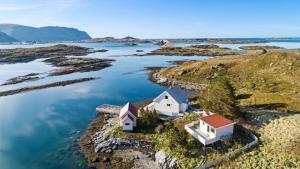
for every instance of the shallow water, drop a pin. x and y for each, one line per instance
(38, 129)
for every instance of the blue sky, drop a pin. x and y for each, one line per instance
(160, 18)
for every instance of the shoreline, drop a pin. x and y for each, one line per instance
(120, 157)
(45, 86)
(101, 151)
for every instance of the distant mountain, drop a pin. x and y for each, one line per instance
(4, 38)
(43, 34)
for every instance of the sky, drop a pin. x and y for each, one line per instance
(160, 18)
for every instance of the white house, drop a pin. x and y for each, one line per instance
(128, 116)
(171, 102)
(211, 128)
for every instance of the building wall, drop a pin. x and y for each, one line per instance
(127, 127)
(183, 107)
(161, 105)
(203, 128)
(134, 123)
(225, 131)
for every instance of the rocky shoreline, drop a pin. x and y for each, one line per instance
(104, 151)
(265, 47)
(50, 85)
(194, 50)
(156, 77)
(56, 57)
(24, 55)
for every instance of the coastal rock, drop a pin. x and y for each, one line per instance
(101, 50)
(130, 44)
(24, 55)
(165, 44)
(193, 50)
(219, 65)
(165, 161)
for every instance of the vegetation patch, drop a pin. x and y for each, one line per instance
(172, 138)
(280, 146)
(194, 50)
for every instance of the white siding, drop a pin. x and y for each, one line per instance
(203, 128)
(183, 107)
(127, 127)
(224, 131)
(165, 106)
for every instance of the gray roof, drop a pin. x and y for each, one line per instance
(178, 94)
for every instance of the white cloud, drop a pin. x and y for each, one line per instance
(19, 7)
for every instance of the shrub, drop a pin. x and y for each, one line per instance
(148, 120)
(159, 128)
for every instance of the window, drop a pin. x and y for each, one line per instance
(168, 105)
(127, 124)
(207, 128)
(166, 97)
(212, 130)
(203, 123)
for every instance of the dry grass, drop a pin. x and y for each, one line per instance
(269, 78)
(259, 80)
(280, 146)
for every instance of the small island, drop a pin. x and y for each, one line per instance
(264, 47)
(194, 50)
(56, 56)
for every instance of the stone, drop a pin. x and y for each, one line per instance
(165, 43)
(165, 161)
(95, 159)
(106, 159)
(114, 147)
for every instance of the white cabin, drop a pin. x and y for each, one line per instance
(171, 102)
(211, 128)
(128, 116)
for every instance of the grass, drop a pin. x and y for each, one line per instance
(258, 80)
(280, 146)
(174, 140)
(268, 78)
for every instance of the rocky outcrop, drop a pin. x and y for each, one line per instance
(100, 148)
(235, 41)
(50, 85)
(124, 40)
(156, 77)
(194, 50)
(20, 79)
(165, 161)
(260, 47)
(71, 65)
(165, 44)
(23, 55)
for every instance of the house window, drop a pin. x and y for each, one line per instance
(203, 123)
(207, 128)
(168, 105)
(212, 130)
(127, 124)
(166, 97)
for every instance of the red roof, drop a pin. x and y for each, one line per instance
(216, 120)
(132, 109)
(126, 115)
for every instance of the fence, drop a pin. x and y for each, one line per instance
(231, 155)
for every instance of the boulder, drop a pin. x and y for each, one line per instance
(165, 43)
(165, 161)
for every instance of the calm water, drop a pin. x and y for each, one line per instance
(38, 129)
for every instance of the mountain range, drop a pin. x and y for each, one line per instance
(13, 33)
(4, 38)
